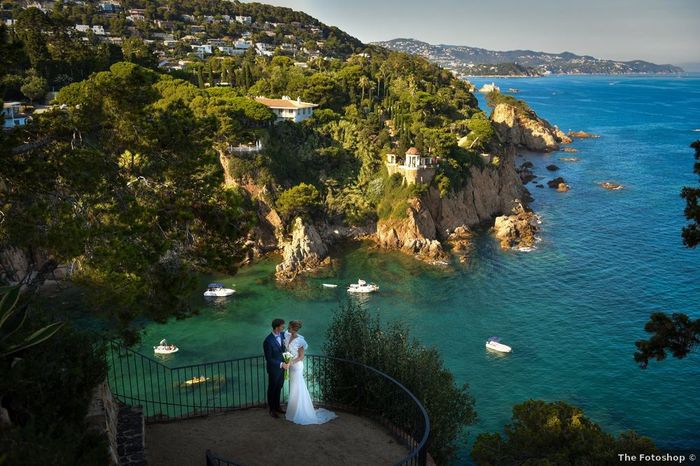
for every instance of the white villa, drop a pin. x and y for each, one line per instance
(12, 115)
(415, 168)
(288, 109)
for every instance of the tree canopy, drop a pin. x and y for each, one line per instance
(554, 434)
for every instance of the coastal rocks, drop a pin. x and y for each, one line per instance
(517, 230)
(611, 186)
(562, 188)
(305, 252)
(583, 135)
(552, 168)
(556, 182)
(525, 129)
(416, 234)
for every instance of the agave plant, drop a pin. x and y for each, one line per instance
(12, 319)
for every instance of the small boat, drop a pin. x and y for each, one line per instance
(513, 90)
(217, 289)
(197, 380)
(362, 287)
(164, 348)
(329, 285)
(494, 344)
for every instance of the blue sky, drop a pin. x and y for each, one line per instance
(661, 31)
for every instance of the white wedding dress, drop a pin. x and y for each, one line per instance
(300, 408)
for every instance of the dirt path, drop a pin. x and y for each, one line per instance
(253, 438)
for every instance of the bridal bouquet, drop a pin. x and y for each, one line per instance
(287, 357)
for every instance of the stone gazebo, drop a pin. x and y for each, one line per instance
(415, 168)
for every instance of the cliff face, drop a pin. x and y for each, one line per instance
(525, 129)
(490, 192)
(416, 234)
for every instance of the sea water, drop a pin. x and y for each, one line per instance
(571, 309)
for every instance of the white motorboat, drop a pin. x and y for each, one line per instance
(164, 348)
(217, 289)
(362, 287)
(329, 285)
(494, 344)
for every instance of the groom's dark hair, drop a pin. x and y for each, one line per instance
(277, 322)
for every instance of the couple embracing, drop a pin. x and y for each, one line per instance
(300, 408)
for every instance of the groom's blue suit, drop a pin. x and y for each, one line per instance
(275, 374)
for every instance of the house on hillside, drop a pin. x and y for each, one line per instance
(288, 109)
(415, 168)
(244, 19)
(12, 115)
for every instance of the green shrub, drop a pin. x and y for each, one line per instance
(302, 199)
(357, 336)
(554, 433)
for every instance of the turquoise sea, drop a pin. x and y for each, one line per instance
(571, 309)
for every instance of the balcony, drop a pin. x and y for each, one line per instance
(216, 412)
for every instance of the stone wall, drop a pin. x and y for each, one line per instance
(123, 425)
(102, 417)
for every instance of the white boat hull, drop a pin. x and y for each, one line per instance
(363, 289)
(500, 347)
(162, 350)
(329, 285)
(220, 292)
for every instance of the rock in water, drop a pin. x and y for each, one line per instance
(555, 182)
(552, 168)
(517, 230)
(305, 252)
(582, 135)
(610, 186)
(562, 187)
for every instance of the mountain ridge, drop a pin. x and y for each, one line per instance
(477, 61)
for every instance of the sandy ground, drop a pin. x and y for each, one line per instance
(253, 438)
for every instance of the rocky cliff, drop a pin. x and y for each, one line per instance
(525, 129)
(416, 234)
(305, 251)
(434, 220)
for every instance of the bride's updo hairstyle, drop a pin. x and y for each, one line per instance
(295, 325)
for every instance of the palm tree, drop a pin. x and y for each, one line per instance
(364, 83)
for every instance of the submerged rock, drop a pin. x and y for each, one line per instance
(552, 168)
(610, 185)
(569, 149)
(569, 159)
(583, 135)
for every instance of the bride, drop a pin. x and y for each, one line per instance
(300, 408)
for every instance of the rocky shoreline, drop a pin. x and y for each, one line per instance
(434, 227)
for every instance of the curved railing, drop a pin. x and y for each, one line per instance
(196, 390)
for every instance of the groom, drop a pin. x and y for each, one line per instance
(274, 347)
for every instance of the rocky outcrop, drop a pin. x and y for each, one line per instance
(304, 252)
(517, 230)
(583, 135)
(416, 234)
(611, 186)
(525, 129)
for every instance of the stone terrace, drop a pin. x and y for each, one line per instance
(253, 438)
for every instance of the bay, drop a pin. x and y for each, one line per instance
(571, 309)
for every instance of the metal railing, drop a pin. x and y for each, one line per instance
(200, 389)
